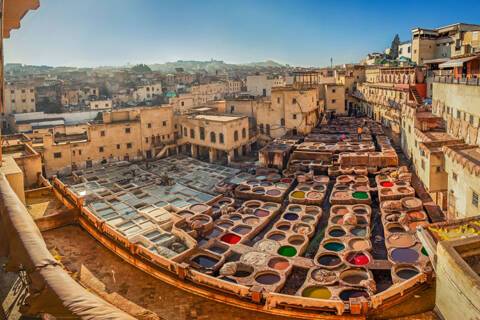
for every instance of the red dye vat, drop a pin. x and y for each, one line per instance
(359, 259)
(230, 238)
(386, 184)
(286, 180)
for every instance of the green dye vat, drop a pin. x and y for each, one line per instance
(360, 195)
(317, 293)
(334, 246)
(287, 251)
(424, 252)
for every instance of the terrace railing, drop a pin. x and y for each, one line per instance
(471, 81)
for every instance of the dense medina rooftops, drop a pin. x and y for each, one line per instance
(336, 231)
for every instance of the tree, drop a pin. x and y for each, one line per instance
(141, 68)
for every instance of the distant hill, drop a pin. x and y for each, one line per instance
(210, 66)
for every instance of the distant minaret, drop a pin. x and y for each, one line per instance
(331, 63)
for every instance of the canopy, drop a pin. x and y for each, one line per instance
(456, 62)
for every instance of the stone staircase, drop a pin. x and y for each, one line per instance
(416, 96)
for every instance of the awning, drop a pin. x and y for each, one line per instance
(457, 62)
(434, 61)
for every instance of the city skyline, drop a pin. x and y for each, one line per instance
(90, 34)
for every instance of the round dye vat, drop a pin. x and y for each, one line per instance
(198, 207)
(336, 233)
(278, 263)
(308, 219)
(287, 251)
(269, 206)
(276, 236)
(235, 217)
(260, 178)
(290, 216)
(337, 220)
(282, 185)
(268, 278)
(286, 180)
(402, 255)
(396, 229)
(359, 244)
(298, 194)
(320, 188)
(324, 276)
(266, 184)
(353, 293)
(341, 195)
(360, 210)
(252, 204)
(258, 190)
(304, 188)
(205, 261)
(340, 210)
(294, 208)
(218, 249)
(312, 210)
(386, 184)
(225, 224)
(230, 238)
(329, 260)
(360, 195)
(302, 228)
(358, 259)
(283, 226)
(354, 276)
(242, 229)
(314, 195)
(401, 240)
(274, 192)
(416, 215)
(261, 213)
(334, 246)
(317, 293)
(406, 273)
(296, 240)
(359, 232)
(251, 221)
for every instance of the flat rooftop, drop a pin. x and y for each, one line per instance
(217, 117)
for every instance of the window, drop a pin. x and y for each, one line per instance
(24, 100)
(149, 125)
(294, 101)
(213, 137)
(118, 146)
(100, 149)
(164, 123)
(13, 100)
(23, 90)
(192, 133)
(438, 169)
(268, 129)
(261, 128)
(334, 100)
(282, 122)
(129, 145)
(475, 199)
(127, 130)
(102, 133)
(57, 155)
(202, 133)
(294, 116)
(79, 152)
(454, 176)
(458, 114)
(235, 135)
(146, 140)
(333, 90)
(278, 100)
(423, 164)
(409, 129)
(244, 133)
(32, 100)
(471, 119)
(220, 137)
(185, 132)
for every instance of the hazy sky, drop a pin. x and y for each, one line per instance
(298, 32)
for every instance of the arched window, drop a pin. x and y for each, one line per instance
(185, 132)
(220, 137)
(282, 122)
(235, 135)
(192, 133)
(244, 133)
(213, 137)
